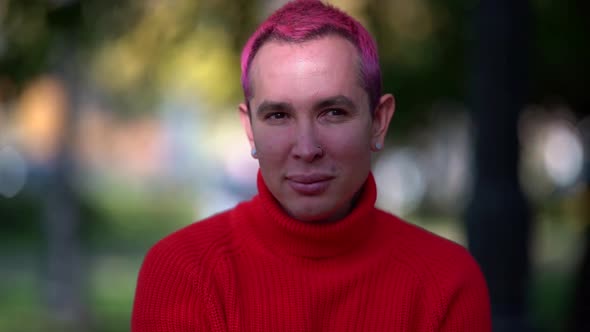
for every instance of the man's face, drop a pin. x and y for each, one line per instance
(311, 125)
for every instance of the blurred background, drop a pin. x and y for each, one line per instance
(118, 125)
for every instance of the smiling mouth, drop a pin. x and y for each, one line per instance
(309, 185)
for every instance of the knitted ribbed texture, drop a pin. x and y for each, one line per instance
(253, 268)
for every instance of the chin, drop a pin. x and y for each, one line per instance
(310, 215)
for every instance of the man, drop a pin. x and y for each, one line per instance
(310, 252)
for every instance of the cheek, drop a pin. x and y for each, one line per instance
(349, 143)
(271, 144)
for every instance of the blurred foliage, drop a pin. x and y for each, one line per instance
(134, 51)
(20, 218)
(138, 51)
(110, 220)
(560, 53)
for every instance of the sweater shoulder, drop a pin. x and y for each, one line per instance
(449, 277)
(429, 255)
(177, 276)
(197, 245)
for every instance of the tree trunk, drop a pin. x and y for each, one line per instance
(64, 289)
(498, 217)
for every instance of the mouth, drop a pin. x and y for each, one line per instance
(309, 184)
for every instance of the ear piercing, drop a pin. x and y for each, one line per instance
(253, 152)
(378, 146)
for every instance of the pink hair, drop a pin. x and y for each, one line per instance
(302, 20)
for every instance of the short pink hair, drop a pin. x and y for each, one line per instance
(302, 20)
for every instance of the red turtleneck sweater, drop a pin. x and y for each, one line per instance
(255, 269)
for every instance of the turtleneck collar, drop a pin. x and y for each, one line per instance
(276, 229)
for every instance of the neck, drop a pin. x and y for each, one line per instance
(318, 239)
(335, 217)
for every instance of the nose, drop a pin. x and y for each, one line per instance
(307, 146)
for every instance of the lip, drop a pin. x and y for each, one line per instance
(309, 184)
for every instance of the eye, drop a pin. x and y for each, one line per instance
(334, 113)
(277, 116)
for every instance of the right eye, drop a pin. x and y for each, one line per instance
(277, 116)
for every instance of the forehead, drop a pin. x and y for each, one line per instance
(323, 63)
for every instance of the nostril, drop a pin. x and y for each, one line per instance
(308, 152)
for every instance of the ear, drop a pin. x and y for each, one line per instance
(246, 123)
(381, 118)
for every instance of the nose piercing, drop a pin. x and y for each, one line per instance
(321, 149)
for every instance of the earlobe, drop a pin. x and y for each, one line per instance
(381, 119)
(246, 123)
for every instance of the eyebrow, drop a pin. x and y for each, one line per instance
(338, 100)
(267, 106)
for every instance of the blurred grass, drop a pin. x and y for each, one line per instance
(117, 228)
(111, 286)
(550, 299)
(20, 307)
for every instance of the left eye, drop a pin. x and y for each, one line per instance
(334, 112)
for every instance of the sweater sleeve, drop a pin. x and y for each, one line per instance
(468, 305)
(169, 295)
